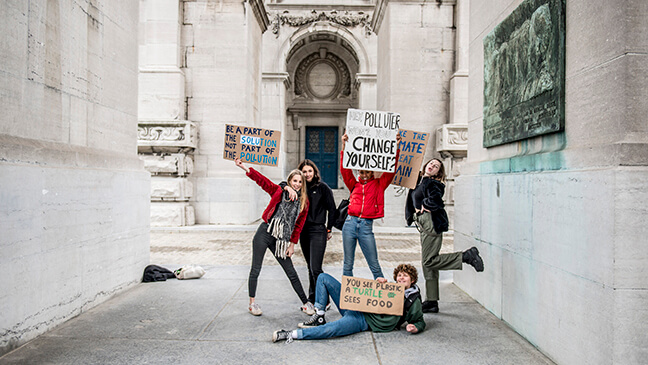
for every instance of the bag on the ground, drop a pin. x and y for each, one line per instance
(341, 214)
(189, 272)
(156, 273)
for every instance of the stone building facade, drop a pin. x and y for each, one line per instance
(296, 67)
(74, 200)
(560, 218)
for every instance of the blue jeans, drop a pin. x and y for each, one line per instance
(360, 230)
(351, 321)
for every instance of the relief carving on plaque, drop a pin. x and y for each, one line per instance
(524, 73)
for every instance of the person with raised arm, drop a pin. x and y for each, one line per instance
(282, 224)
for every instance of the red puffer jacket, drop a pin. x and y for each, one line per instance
(275, 192)
(367, 196)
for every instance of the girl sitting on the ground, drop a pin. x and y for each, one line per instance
(354, 321)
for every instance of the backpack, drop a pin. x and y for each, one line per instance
(157, 273)
(341, 214)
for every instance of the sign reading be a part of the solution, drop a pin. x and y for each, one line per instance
(254, 145)
(372, 141)
(370, 296)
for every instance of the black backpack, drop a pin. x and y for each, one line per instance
(157, 273)
(341, 214)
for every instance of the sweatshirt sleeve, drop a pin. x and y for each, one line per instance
(387, 177)
(330, 207)
(265, 183)
(415, 316)
(347, 175)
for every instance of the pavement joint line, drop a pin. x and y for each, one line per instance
(373, 341)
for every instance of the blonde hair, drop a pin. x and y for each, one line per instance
(303, 194)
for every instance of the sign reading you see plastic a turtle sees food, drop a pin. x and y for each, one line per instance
(370, 296)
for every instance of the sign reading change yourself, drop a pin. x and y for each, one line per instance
(254, 145)
(372, 141)
(370, 296)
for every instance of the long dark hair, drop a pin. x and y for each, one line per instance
(316, 173)
(441, 175)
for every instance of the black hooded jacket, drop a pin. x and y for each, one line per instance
(429, 194)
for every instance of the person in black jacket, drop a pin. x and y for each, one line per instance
(319, 221)
(425, 207)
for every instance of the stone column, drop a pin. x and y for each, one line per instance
(452, 138)
(166, 140)
(415, 65)
(367, 87)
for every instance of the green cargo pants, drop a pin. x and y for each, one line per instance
(431, 261)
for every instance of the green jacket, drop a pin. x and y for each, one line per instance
(386, 322)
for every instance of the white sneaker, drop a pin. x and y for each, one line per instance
(308, 308)
(255, 309)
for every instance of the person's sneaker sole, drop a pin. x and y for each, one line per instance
(476, 260)
(431, 310)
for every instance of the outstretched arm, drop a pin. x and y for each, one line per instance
(265, 183)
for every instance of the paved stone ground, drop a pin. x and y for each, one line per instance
(223, 247)
(206, 321)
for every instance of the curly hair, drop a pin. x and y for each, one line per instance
(407, 269)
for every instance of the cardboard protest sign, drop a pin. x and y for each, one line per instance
(412, 151)
(372, 141)
(371, 296)
(254, 145)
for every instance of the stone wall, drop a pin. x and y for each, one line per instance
(222, 61)
(74, 203)
(559, 219)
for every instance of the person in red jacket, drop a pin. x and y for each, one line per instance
(282, 224)
(366, 203)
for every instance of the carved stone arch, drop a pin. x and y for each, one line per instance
(322, 75)
(350, 42)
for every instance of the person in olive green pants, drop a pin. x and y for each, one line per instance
(432, 220)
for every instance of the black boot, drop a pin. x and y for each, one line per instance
(471, 257)
(430, 306)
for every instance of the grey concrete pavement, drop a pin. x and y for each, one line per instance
(205, 321)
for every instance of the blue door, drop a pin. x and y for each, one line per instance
(322, 148)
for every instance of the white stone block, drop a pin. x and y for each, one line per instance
(166, 136)
(174, 164)
(171, 188)
(165, 214)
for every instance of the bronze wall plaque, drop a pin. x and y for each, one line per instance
(524, 73)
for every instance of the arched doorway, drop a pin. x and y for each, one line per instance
(323, 66)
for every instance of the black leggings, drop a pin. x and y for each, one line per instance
(263, 241)
(313, 245)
